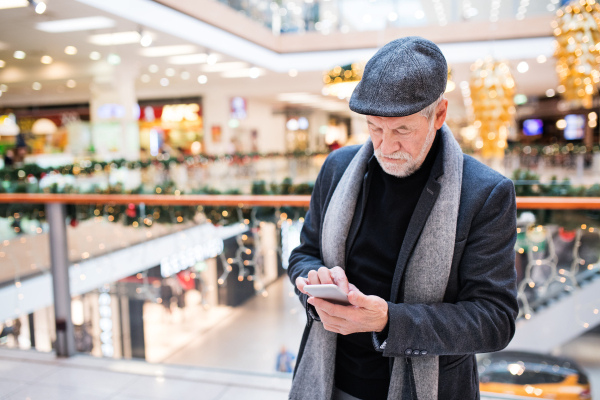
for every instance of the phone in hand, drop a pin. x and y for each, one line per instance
(329, 292)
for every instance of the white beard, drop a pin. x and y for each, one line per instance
(410, 164)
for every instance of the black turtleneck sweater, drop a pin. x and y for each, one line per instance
(390, 202)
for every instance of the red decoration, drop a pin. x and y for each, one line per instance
(130, 212)
(185, 280)
(566, 236)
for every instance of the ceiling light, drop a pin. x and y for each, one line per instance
(153, 68)
(244, 73)
(75, 24)
(550, 93)
(4, 4)
(419, 14)
(146, 39)
(2, 63)
(46, 60)
(145, 78)
(254, 73)
(163, 51)
(293, 73)
(392, 16)
(71, 83)
(36, 86)
(225, 66)
(541, 59)
(202, 79)
(110, 39)
(212, 59)
(94, 55)
(523, 67)
(40, 8)
(71, 50)
(200, 58)
(164, 82)
(170, 72)
(185, 75)
(113, 59)
(3, 88)
(19, 55)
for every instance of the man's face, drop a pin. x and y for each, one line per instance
(402, 143)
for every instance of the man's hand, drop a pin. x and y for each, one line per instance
(335, 275)
(366, 314)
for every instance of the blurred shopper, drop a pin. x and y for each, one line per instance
(16, 331)
(421, 238)
(285, 360)
(9, 158)
(166, 293)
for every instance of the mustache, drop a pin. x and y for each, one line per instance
(398, 155)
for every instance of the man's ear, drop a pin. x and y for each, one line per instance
(440, 114)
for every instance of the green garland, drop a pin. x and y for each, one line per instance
(138, 215)
(528, 184)
(87, 167)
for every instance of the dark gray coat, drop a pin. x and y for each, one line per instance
(479, 309)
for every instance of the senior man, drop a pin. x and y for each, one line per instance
(421, 238)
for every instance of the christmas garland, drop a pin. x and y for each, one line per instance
(549, 150)
(527, 184)
(140, 215)
(87, 167)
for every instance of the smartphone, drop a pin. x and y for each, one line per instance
(328, 292)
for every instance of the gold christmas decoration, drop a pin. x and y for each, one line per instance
(450, 85)
(492, 89)
(341, 81)
(577, 49)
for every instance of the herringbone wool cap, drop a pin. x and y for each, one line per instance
(402, 78)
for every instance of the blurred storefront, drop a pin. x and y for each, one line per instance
(174, 126)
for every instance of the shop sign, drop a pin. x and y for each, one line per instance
(180, 112)
(189, 257)
(238, 108)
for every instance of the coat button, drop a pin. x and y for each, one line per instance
(423, 352)
(408, 352)
(416, 352)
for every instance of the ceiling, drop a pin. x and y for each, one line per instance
(18, 32)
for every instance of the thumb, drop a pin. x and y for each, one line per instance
(357, 298)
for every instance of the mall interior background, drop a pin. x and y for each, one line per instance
(248, 97)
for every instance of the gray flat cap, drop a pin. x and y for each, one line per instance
(403, 77)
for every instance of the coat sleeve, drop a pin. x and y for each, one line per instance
(483, 317)
(307, 256)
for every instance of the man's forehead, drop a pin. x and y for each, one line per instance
(411, 121)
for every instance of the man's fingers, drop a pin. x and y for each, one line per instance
(334, 310)
(300, 283)
(313, 278)
(357, 298)
(340, 278)
(324, 276)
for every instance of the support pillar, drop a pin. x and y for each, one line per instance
(114, 114)
(65, 339)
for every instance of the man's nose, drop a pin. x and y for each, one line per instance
(389, 146)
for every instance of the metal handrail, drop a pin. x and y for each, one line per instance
(526, 203)
(160, 199)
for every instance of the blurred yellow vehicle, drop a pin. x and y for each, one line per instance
(532, 375)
